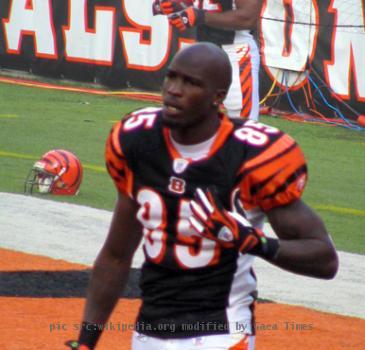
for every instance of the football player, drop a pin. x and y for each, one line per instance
(196, 186)
(229, 24)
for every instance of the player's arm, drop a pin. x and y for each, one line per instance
(273, 179)
(305, 247)
(111, 269)
(245, 16)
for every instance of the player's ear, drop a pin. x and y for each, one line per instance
(220, 95)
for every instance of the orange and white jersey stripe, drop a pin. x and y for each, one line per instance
(116, 162)
(274, 177)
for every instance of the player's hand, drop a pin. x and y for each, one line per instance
(187, 18)
(74, 345)
(156, 8)
(230, 229)
(166, 7)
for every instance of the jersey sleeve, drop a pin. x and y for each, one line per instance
(116, 161)
(275, 176)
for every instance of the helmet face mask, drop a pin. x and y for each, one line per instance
(44, 182)
(58, 172)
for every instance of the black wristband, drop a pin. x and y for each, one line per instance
(266, 249)
(90, 334)
(200, 17)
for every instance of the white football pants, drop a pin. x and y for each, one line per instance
(237, 341)
(242, 100)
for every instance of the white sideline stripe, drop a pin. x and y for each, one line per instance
(76, 233)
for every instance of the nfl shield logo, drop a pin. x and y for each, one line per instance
(180, 164)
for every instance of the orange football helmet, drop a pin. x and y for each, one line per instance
(57, 172)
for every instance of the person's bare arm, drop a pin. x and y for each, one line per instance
(305, 246)
(245, 16)
(111, 268)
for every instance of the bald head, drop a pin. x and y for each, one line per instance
(196, 83)
(211, 60)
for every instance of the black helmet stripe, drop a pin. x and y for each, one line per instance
(68, 161)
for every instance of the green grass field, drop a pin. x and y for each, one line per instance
(33, 121)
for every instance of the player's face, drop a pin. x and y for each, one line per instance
(188, 95)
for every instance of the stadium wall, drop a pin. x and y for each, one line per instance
(312, 52)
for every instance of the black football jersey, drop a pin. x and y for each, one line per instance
(211, 34)
(191, 285)
(215, 35)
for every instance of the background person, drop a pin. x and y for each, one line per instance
(229, 24)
